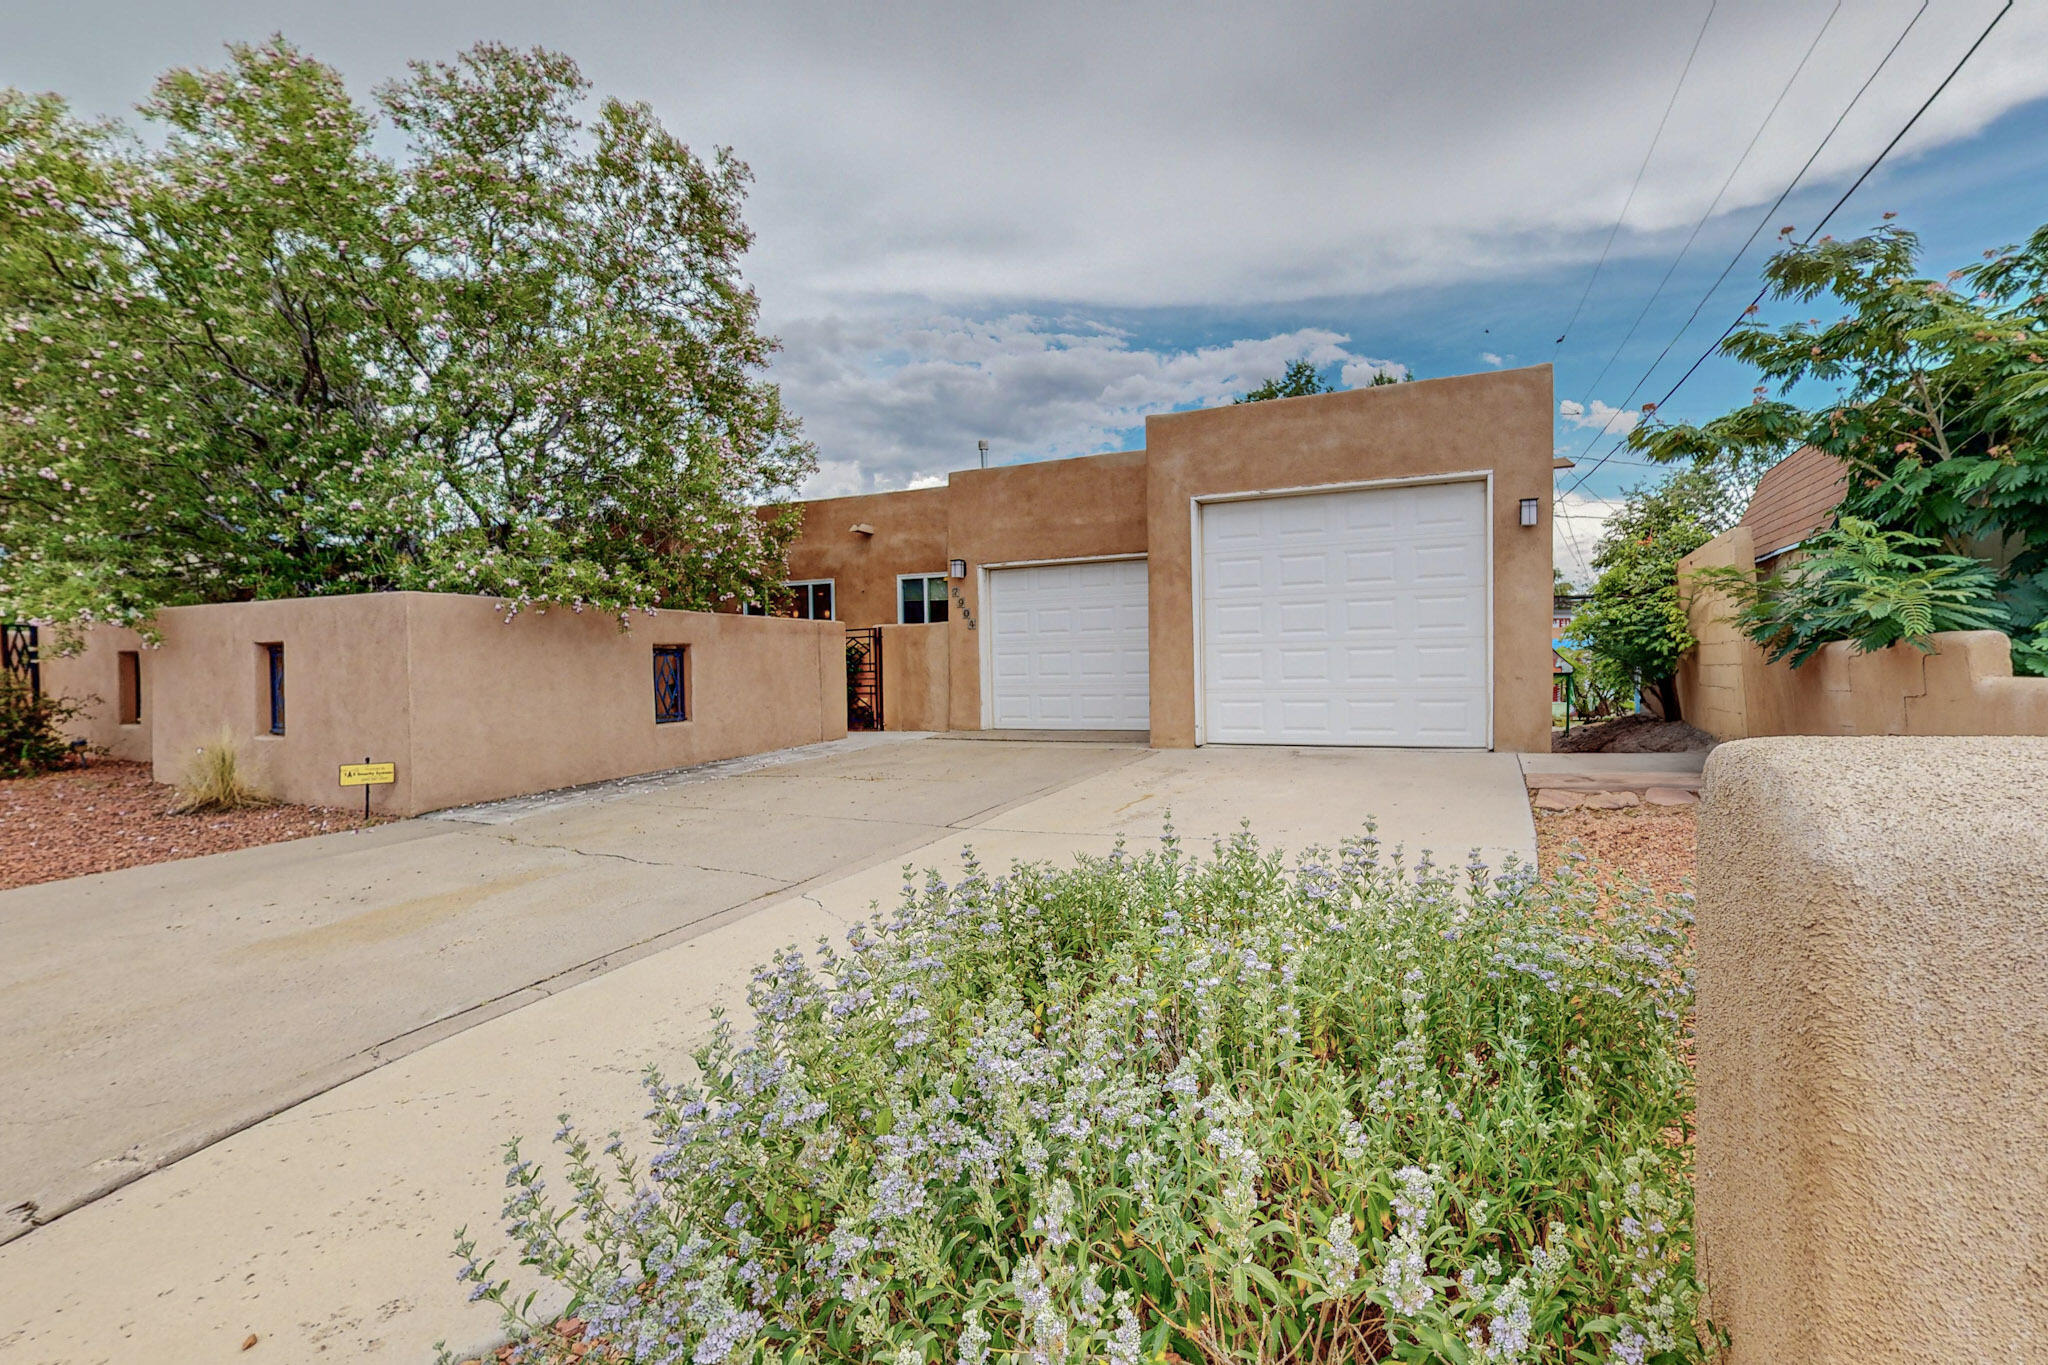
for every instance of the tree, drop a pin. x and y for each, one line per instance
(262, 360)
(1299, 380)
(1936, 399)
(1633, 625)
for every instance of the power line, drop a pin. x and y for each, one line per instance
(1638, 183)
(1815, 231)
(1585, 404)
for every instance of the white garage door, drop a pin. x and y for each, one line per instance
(1068, 647)
(1347, 618)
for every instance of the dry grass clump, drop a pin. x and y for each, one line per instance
(216, 780)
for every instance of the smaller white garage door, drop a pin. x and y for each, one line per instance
(1068, 647)
(1357, 617)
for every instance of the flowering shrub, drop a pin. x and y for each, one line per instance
(1159, 1107)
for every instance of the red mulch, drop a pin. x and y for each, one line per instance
(1650, 846)
(84, 820)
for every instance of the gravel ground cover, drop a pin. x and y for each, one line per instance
(1650, 845)
(111, 815)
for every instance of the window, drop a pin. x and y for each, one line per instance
(921, 598)
(671, 683)
(130, 687)
(274, 659)
(810, 600)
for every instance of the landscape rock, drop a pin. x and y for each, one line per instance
(1670, 796)
(1611, 800)
(1556, 798)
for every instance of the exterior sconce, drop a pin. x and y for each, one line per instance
(956, 568)
(1529, 510)
(861, 528)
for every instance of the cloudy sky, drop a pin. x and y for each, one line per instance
(1036, 224)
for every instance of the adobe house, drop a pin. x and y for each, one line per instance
(1359, 568)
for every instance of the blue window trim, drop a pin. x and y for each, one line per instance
(276, 653)
(671, 684)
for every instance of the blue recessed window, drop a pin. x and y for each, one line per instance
(275, 653)
(671, 683)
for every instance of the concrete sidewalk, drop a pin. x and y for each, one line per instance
(325, 1230)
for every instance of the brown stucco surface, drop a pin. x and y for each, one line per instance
(470, 706)
(1872, 1051)
(916, 681)
(909, 537)
(92, 677)
(1962, 686)
(1498, 421)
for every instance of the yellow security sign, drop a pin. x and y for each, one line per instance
(368, 774)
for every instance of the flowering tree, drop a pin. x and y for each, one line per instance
(264, 360)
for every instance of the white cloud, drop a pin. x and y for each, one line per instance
(1608, 421)
(1357, 374)
(1494, 360)
(892, 404)
(1576, 524)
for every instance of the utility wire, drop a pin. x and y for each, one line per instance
(1586, 403)
(1638, 184)
(1868, 170)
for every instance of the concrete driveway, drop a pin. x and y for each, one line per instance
(337, 1034)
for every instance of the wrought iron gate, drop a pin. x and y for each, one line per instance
(18, 654)
(864, 678)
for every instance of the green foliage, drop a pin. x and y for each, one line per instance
(1299, 380)
(1937, 399)
(257, 358)
(32, 738)
(1860, 583)
(1634, 625)
(1144, 1105)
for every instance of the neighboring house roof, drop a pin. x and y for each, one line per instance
(1796, 497)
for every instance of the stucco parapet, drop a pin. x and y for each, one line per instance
(1872, 1060)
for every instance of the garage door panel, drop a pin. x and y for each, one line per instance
(1347, 618)
(1068, 646)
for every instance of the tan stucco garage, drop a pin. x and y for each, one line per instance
(1394, 595)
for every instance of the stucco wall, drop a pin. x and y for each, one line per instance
(1498, 421)
(916, 678)
(1872, 1054)
(1055, 509)
(1964, 686)
(469, 706)
(92, 676)
(909, 537)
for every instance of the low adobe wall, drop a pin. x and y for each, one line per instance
(1872, 1057)
(1963, 686)
(470, 706)
(916, 678)
(92, 676)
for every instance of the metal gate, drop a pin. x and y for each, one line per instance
(864, 678)
(18, 654)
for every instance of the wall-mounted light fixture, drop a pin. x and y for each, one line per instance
(1529, 511)
(861, 528)
(956, 568)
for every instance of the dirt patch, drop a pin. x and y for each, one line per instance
(111, 815)
(1631, 735)
(1651, 846)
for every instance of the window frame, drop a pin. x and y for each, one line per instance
(128, 686)
(831, 586)
(945, 598)
(273, 652)
(681, 654)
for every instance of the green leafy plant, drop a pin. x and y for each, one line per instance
(32, 738)
(1934, 392)
(215, 780)
(254, 355)
(1222, 1109)
(1633, 626)
(1857, 582)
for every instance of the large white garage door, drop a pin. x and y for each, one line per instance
(1347, 618)
(1068, 647)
